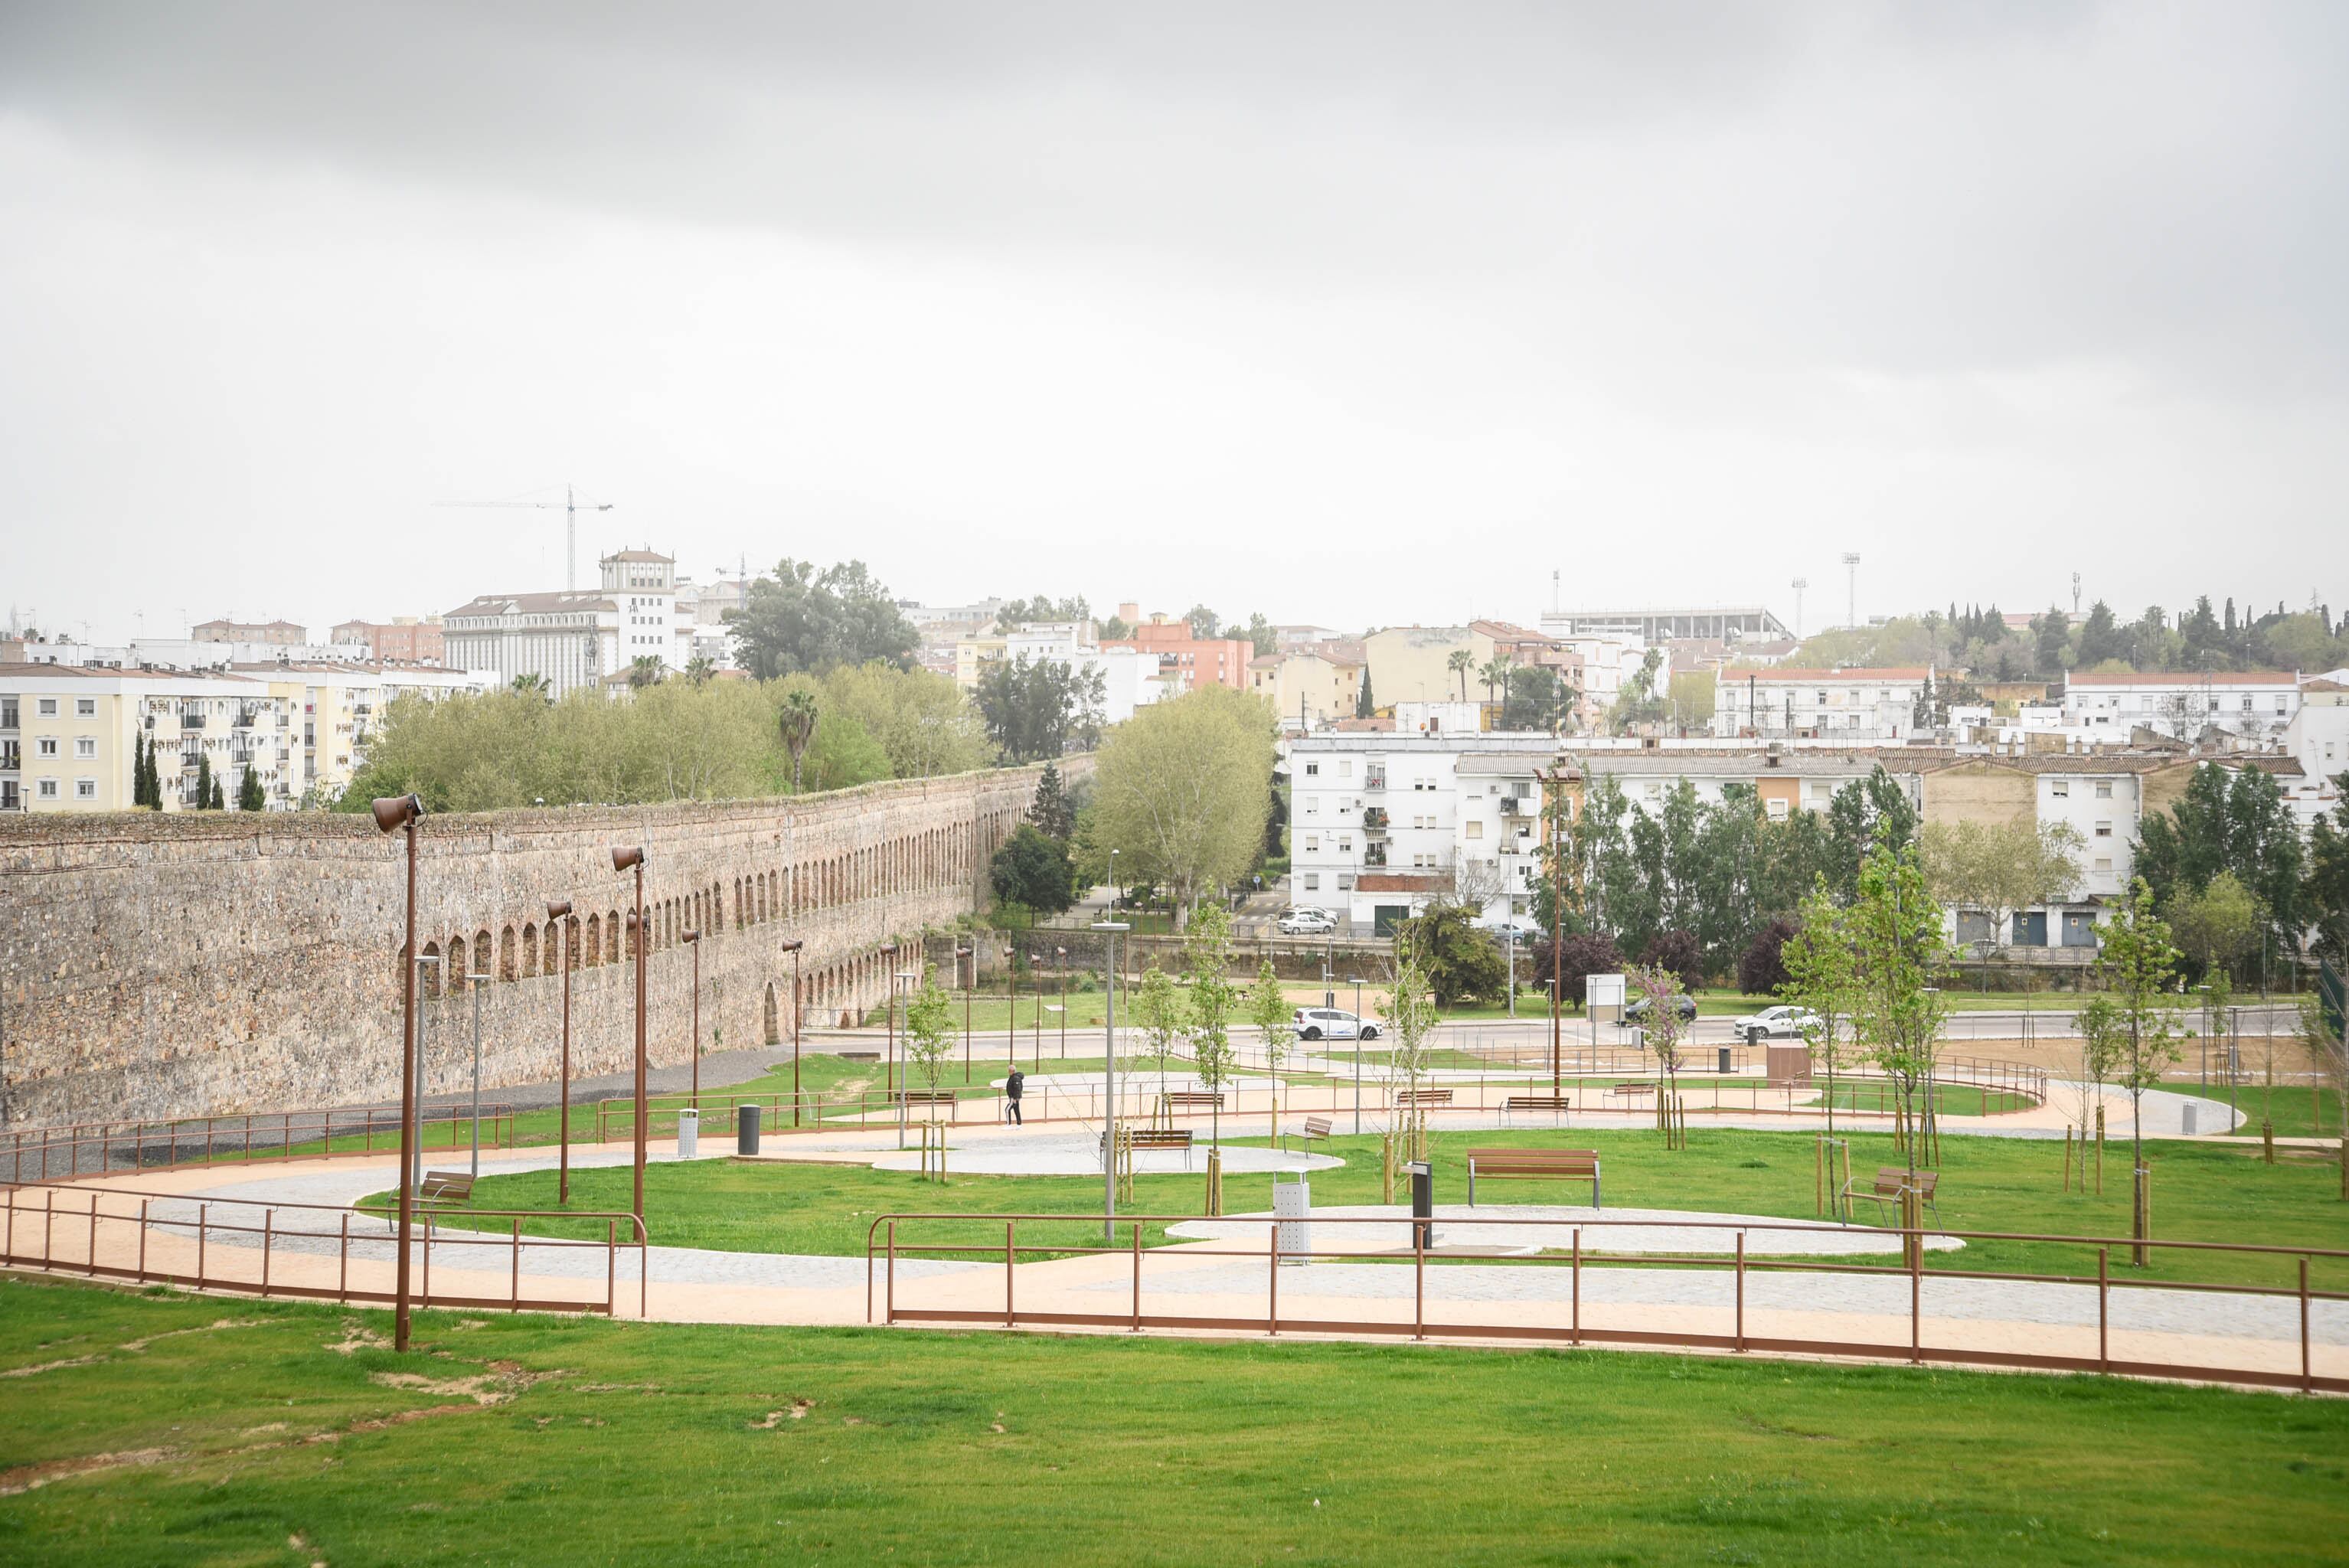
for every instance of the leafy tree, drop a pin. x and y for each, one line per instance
(1863, 813)
(1181, 787)
(1822, 977)
(2101, 638)
(1579, 956)
(249, 794)
(1212, 1000)
(1461, 963)
(1640, 700)
(1032, 870)
(1203, 621)
(2001, 867)
(922, 721)
(1115, 630)
(2326, 890)
(1267, 1008)
(1661, 1028)
(2053, 635)
(1042, 708)
(2238, 824)
(1043, 610)
(1052, 811)
(1276, 823)
(2327, 1035)
(2130, 1027)
(1536, 699)
(1257, 634)
(802, 619)
(2215, 925)
(1158, 1014)
(1761, 968)
(1679, 952)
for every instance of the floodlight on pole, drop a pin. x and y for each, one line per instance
(395, 814)
(693, 939)
(1110, 930)
(631, 858)
(558, 913)
(1851, 588)
(794, 947)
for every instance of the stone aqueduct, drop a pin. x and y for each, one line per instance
(188, 966)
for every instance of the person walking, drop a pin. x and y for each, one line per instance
(1011, 1088)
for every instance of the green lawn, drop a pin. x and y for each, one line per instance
(252, 1433)
(2201, 1192)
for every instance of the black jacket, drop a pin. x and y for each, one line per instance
(1014, 1084)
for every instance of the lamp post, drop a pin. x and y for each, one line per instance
(889, 1078)
(1110, 930)
(794, 947)
(693, 939)
(627, 859)
(405, 812)
(477, 983)
(558, 913)
(1358, 1055)
(1036, 969)
(1060, 956)
(905, 1099)
(972, 954)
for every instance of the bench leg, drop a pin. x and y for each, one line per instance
(1472, 1186)
(1594, 1192)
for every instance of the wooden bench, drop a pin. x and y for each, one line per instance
(1556, 1104)
(910, 1097)
(1146, 1137)
(1316, 1127)
(1890, 1182)
(445, 1187)
(1545, 1164)
(1419, 1097)
(1194, 1099)
(1638, 1090)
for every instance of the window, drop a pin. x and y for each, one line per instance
(47, 746)
(84, 788)
(1312, 882)
(2247, 705)
(86, 745)
(1313, 843)
(2105, 863)
(1311, 769)
(2105, 829)
(48, 708)
(1345, 882)
(86, 706)
(1777, 810)
(2060, 788)
(1475, 830)
(1346, 768)
(46, 790)
(1312, 806)
(2104, 789)
(1345, 846)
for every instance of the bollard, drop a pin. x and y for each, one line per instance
(1423, 1203)
(2185, 1119)
(688, 1134)
(746, 1130)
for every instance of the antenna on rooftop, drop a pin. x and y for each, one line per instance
(2075, 596)
(1800, 584)
(1851, 589)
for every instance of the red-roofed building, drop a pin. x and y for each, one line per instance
(1197, 661)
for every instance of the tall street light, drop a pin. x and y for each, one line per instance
(558, 914)
(693, 939)
(889, 967)
(396, 813)
(1060, 956)
(970, 953)
(1110, 930)
(632, 858)
(1036, 971)
(896, 976)
(794, 947)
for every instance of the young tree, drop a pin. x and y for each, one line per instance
(1158, 1014)
(2217, 926)
(929, 1028)
(2325, 1032)
(1268, 1010)
(249, 794)
(1052, 811)
(2131, 1025)
(1899, 951)
(1409, 1010)
(1663, 1028)
(1212, 999)
(1822, 977)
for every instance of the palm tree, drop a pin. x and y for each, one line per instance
(1460, 662)
(1495, 671)
(796, 720)
(531, 685)
(646, 669)
(698, 669)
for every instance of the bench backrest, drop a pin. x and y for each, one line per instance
(1891, 1178)
(1563, 1162)
(1413, 1096)
(1193, 1097)
(1319, 1126)
(1537, 1101)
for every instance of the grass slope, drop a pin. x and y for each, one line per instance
(267, 1433)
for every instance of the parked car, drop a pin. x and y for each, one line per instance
(1329, 1024)
(1306, 922)
(1776, 1023)
(1637, 1013)
(1527, 932)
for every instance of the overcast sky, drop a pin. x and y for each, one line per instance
(1357, 313)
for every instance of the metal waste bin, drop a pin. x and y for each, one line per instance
(688, 1134)
(2185, 1119)
(1725, 1058)
(1292, 1205)
(1422, 1203)
(746, 1130)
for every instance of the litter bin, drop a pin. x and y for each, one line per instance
(1292, 1205)
(746, 1130)
(1422, 1203)
(2185, 1119)
(688, 1134)
(1725, 1058)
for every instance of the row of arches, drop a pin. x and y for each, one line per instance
(920, 860)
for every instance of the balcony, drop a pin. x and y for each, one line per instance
(1374, 818)
(1374, 781)
(1374, 856)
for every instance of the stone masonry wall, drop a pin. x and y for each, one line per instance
(185, 965)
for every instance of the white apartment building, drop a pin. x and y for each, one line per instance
(1848, 705)
(2257, 706)
(69, 733)
(571, 640)
(1130, 676)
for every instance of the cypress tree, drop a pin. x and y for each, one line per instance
(249, 797)
(203, 781)
(137, 769)
(218, 802)
(1364, 706)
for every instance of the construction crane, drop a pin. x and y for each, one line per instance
(571, 507)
